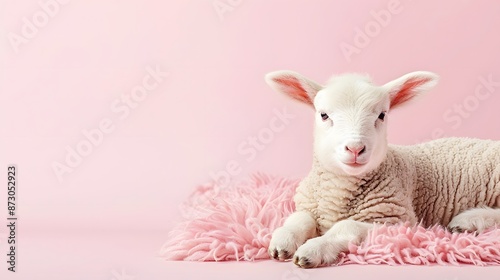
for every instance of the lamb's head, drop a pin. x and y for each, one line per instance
(350, 135)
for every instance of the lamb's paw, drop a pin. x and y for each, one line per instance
(475, 220)
(316, 252)
(283, 244)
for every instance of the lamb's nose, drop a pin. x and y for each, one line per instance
(356, 149)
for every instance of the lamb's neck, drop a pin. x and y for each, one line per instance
(343, 181)
(329, 196)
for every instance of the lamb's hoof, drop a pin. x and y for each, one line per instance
(283, 244)
(303, 262)
(457, 229)
(280, 255)
(316, 252)
(474, 220)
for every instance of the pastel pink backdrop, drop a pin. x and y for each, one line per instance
(91, 52)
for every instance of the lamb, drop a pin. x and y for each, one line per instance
(357, 179)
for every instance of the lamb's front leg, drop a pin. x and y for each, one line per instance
(324, 250)
(298, 227)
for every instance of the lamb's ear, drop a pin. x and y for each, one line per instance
(294, 85)
(409, 86)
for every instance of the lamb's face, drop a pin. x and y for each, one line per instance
(351, 115)
(351, 126)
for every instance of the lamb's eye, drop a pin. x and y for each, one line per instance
(381, 116)
(324, 116)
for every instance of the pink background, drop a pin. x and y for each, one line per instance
(115, 208)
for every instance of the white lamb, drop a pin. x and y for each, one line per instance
(357, 179)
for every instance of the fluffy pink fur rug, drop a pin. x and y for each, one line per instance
(235, 222)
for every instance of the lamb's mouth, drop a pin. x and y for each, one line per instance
(354, 164)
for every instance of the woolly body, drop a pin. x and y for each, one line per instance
(358, 179)
(429, 183)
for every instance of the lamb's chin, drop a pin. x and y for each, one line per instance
(354, 169)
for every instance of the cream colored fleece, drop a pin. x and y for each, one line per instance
(430, 182)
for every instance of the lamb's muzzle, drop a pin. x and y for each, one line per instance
(355, 149)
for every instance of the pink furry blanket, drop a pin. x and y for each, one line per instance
(235, 222)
